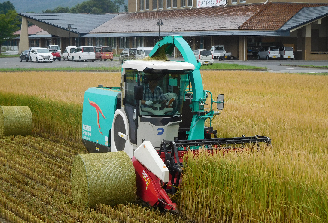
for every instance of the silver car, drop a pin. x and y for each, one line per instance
(268, 52)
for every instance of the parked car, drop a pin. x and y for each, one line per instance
(24, 55)
(54, 47)
(268, 52)
(41, 55)
(66, 55)
(286, 52)
(104, 53)
(143, 52)
(197, 53)
(205, 57)
(128, 54)
(84, 53)
(220, 53)
(56, 54)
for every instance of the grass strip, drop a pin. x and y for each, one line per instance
(215, 66)
(230, 66)
(308, 66)
(8, 55)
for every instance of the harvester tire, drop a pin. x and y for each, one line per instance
(103, 178)
(119, 126)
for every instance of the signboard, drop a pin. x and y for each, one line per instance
(210, 3)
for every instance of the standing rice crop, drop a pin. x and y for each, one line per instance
(15, 120)
(286, 183)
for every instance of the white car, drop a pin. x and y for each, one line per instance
(67, 54)
(197, 53)
(41, 55)
(286, 52)
(143, 52)
(268, 52)
(84, 53)
(204, 56)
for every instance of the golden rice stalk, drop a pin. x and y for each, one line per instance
(103, 178)
(15, 120)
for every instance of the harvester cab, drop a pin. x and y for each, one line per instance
(155, 116)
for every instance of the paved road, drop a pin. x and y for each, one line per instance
(281, 66)
(285, 66)
(14, 62)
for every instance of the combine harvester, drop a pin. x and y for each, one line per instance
(154, 134)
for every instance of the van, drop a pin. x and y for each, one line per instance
(67, 54)
(286, 52)
(84, 53)
(143, 52)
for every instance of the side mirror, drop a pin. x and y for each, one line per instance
(220, 101)
(138, 92)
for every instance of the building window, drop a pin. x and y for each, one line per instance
(175, 3)
(168, 3)
(183, 3)
(124, 42)
(147, 4)
(160, 4)
(189, 3)
(233, 1)
(141, 5)
(139, 41)
(242, 1)
(154, 4)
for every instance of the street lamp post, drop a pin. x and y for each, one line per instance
(159, 23)
(69, 33)
(69, 27)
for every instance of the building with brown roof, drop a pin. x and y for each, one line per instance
(159, 5)
(242, 28)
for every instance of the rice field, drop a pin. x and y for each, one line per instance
(285, 183)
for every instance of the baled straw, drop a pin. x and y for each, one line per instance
(103, 178)
(15, 120)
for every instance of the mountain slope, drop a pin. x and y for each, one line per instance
(38, 5)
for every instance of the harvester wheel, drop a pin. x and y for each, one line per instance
(103, 178)
(119, 127)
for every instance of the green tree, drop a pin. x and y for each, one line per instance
(58, 10)
(6, 6)
(92, 7)
(97, 6)
(8, 25)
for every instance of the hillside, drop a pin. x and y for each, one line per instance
(37, 6)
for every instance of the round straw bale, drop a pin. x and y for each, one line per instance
(15, 120)
(106, 178)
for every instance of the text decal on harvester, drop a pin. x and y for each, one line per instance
(160, 131)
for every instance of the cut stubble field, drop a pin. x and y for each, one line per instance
(284, 183)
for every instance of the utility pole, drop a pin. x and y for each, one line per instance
(159, 23)
(69, 26)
